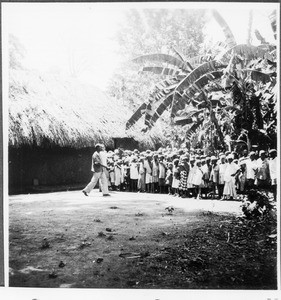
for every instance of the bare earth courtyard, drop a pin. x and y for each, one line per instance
(132, 240)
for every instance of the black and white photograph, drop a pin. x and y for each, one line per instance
(141, 149)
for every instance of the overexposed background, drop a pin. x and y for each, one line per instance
(79, 38)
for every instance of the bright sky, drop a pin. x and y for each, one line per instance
(59, 35)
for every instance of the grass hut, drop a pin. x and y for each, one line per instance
(53, 126)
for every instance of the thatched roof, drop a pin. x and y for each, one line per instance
(44, 109)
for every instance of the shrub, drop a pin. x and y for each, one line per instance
(256, 204)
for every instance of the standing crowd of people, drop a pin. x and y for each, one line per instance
(184, 173)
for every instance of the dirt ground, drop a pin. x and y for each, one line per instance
(135, 240)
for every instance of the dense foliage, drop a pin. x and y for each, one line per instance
(257, 205)
(152, 31)
(223, 99)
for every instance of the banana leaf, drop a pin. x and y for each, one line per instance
(230, 40)
(191, 113)
(136, 116)
(203, 69)
(178, 103)
(148, 114)
(198, 100)
(191, 101)
(192, 130)
(260, 37)
(214, 88)
(151, 108)
(167, 89)
(272, 64)
(272, 18)
(214, 103)
(161, 91)
(165, 58)
(162, 71)
(168, 84)
(267, 47)
(232, 108)
(202, 105)
(187, 101)
(240, 141)
(200, 59)
(179, 55)
(259, 76)
(180, 77)
(161, 108)
(199, 84)
(221, 44)
(246, 51)
(158, 95)
(183, 121)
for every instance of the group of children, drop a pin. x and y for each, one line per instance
(191, 174)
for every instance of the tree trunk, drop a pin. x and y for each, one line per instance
(217, 126)
(214, 119)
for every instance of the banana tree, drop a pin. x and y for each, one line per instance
(252, 95)
(239, 71)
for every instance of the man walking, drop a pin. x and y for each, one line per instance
(99, 173)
